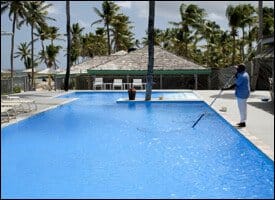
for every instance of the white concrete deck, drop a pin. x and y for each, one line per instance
(260, 123)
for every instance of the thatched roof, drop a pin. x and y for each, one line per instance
(138, 61)
(93, 62)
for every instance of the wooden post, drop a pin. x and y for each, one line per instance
(127, 78)
(93, 78)
(160, 77)
(89, 80)
(196, 81)
(209, 82)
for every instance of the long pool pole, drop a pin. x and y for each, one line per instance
(225, 85)
(212, 102)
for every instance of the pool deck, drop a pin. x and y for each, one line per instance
(259, 127)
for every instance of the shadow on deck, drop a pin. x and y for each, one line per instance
(265, 106)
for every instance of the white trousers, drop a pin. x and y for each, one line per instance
(242, 109)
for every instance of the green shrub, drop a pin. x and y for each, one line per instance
(16, 89)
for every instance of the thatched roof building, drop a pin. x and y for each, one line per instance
(136, 62)
(91, 63)
(169, 69)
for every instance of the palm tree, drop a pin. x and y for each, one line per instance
(53, 34)
(260, 13)
(224, 44)
(165, 38)
(157, 37)
(122, 36)
(51, 53)
(43, 34)
(151, 22)
(37, 16)
(49, 56)
(76, 31)
(191, 17)
(17, 11)
(94, 44)
(234, 19)
(109, 10)
(268, 21)
(211, 33)
(246, 17)
(24, 53)
(250, 20)
(68, 25)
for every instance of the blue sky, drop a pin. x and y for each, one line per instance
(83, 13)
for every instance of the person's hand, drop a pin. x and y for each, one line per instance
(230, 87)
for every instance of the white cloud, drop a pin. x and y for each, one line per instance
(84, 24)
(142, 8)
(215, 17)
(124, 4)
(52, 10)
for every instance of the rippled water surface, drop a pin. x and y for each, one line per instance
(97, 148)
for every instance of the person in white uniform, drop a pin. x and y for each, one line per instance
(242, 92)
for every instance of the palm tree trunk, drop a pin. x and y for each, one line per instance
(250, 39)
(150, 50)
(260, 34)
(108, 36)
(234, 46)
(243, 44)
(33, 86)
(208, 51)
(12, 49)
(186, 45)
(67, 77)
(43, 49)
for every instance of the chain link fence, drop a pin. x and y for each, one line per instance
(20, 83)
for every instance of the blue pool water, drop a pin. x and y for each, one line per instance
(96, 148)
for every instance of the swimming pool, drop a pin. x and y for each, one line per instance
(95, 147)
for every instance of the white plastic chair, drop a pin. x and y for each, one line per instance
(118, 83)
(7, 113)
(137, 83)
(98, 82)
(18, 107)
(31, 103)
